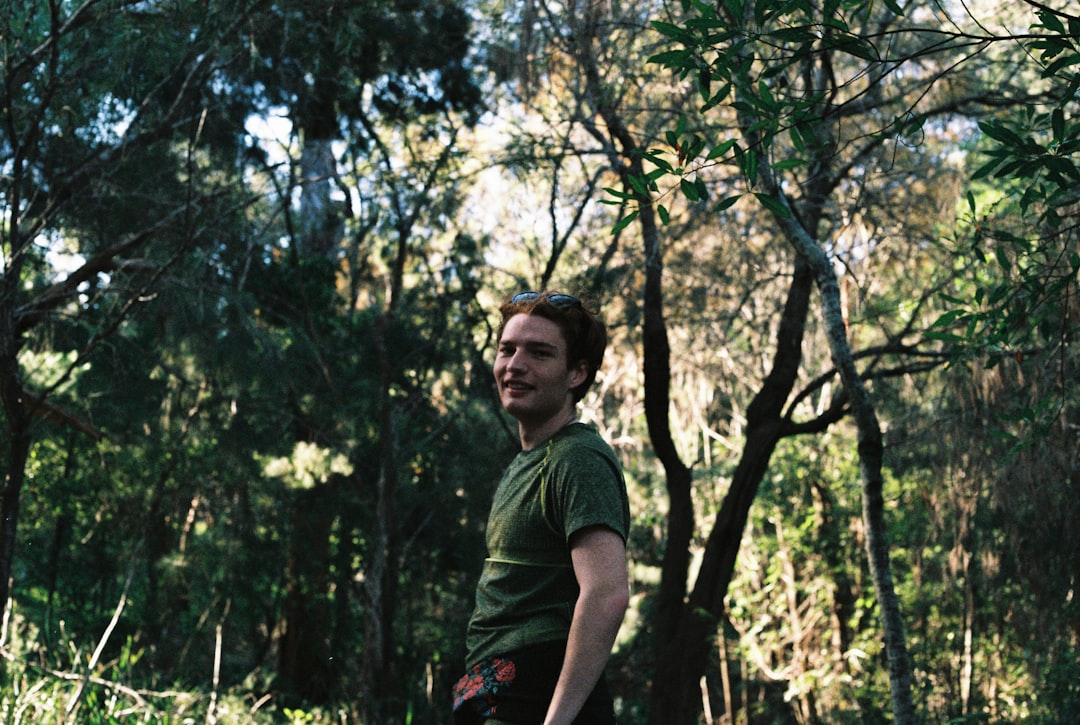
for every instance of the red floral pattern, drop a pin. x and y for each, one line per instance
(477, 689)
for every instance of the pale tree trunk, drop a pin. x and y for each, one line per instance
(870, 448)
(320, 222)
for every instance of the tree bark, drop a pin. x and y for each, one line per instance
(684, 630)
(304, 651)
(683, 657)
(379, 664)
(870, 449)
(14, 477)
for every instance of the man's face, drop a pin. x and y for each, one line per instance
(530, 370)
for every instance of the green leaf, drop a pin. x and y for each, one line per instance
(749, 163)
(797, 140)
(800, 34)
(656, 157)
(695, 147)
(1051, 22)
(773, 204)
(702, 190)
(624, 222)
(789, 164)
(852, 45)
(726, 203)
(720, 150)
(624, 195)
(1062, 62)
(767, 100)
(717, 98)
(705, 82)
(946, 319)
(662, 212)
(986, 169)
(673, 59)
(675, 32)
(999, 133)
(689, 189)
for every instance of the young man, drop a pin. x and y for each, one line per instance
(554, 587)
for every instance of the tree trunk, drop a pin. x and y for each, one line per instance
(684, 656)
(14, 476)
(16, 415)
(379, 665)
(623, 155)
(870, 448)
(304, 652)
(843, 590)
(320, 221)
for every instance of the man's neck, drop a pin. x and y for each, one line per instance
(531, 437)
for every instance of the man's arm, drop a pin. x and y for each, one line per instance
(599, 558)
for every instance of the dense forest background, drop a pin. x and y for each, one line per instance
(251, 252)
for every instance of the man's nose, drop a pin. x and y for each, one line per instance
(516, 361)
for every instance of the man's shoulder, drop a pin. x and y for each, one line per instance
(581, 437)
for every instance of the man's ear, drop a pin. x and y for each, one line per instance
(579, 373)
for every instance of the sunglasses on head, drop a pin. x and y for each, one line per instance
(555, 300)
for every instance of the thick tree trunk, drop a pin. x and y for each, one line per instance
(17, 417)
(320, 220)
(304, 652)
(843, 590)
(683, 657)
(319, 224)
(379, 666)
(14, 476)
(657, 371)
(656, 348)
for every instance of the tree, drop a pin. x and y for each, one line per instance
(807, 92)
(348, 75)
(83, 117)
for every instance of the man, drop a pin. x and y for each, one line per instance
(554, 587)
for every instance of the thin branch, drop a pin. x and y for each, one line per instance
(76, 697)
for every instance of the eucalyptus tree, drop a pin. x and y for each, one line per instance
(126, 121)
(377, 96)
(827, 98)
(106, 108)
(819, 101)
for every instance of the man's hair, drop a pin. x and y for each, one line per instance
(584, 332)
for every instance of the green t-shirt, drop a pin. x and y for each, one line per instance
(527, 589)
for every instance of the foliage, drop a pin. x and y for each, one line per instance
(245, 434)
(1021, 230)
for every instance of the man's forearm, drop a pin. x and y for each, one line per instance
(595, 624)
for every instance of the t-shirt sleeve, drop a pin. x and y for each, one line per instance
(589, 491)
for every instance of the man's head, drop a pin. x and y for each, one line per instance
(584, 333)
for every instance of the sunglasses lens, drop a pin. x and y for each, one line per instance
(563, 300)
(556, 300)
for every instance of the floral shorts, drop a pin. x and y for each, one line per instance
(516, 688)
